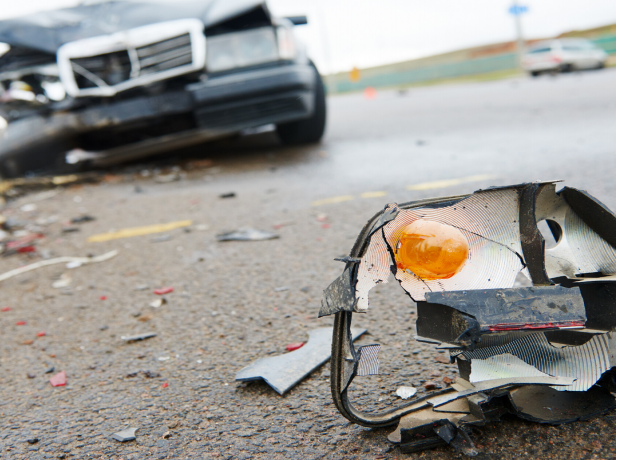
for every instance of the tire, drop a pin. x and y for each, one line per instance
(309, 130)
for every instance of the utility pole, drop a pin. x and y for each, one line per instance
(516, 11)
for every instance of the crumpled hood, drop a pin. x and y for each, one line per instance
(48, 30)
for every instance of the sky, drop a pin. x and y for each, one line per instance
(343, 34)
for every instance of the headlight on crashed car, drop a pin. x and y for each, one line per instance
(246, 48)
(531, 326)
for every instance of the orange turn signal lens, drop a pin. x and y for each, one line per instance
(431, 250)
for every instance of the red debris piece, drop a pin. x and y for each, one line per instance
(164, 290)
(325, 225)
(20, 323)
(447, 380)
(165, 385)
(23, 241)
(6, 309)
(24, 249)
(41, 334)
(103, 297)
(294, 346)
(278, 226)
(58, 380)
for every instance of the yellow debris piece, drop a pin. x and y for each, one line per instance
(138, 231)
(334, 199)
(449, 182)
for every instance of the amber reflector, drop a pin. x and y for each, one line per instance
(431, 250)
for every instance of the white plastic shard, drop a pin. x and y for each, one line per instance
(406, 392)
(488, 219)
(586, 363)
(501, 367)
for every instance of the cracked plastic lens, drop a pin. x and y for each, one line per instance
(431, 250)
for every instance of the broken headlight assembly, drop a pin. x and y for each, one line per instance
(29, 81)
(531, 325)
(246, 48)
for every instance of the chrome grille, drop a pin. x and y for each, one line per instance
(106, 65)
(164, 55)
(111, 68)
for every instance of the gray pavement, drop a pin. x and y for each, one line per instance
(226, 311)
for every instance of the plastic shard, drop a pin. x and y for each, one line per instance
(586, 363)
(284, 371)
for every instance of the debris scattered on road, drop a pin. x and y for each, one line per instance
(41, 334)
(125, 435)
(32, 440)
(163, 290)
(406, 392)
(543, 351)
(58, 380)
(134, 338)
(5, 309)
(228, 195)
(83, 218)
(151, 374)
(294, 346)
(27, 342)
(20, 323)
(103, 297)
(50, 370)
(139, 231)
(167, 435)
(141, 287)
(158, 302)
(246, 234)
(165, 385)
(30, 376)
(161, 238)
(284, 371)
(64, 281)
(281, 289)
(59, 260)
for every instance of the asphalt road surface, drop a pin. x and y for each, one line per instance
(235, 302)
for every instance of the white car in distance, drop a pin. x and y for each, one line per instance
(563, 55)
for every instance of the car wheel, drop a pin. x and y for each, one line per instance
(310, 129)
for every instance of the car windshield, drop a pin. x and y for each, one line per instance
(540, 50)
(579, 46)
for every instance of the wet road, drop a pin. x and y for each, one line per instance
(230, 306)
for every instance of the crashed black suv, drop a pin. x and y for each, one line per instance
(113, 81)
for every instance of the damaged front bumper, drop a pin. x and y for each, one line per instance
(210, 109)
(545, 351)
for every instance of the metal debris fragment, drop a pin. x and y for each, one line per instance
(134, 338)
(284, 371)
(246, 234)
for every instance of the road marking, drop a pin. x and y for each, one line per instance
(138, 231)
(373, 194)
(449, 182)
(334, 199)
